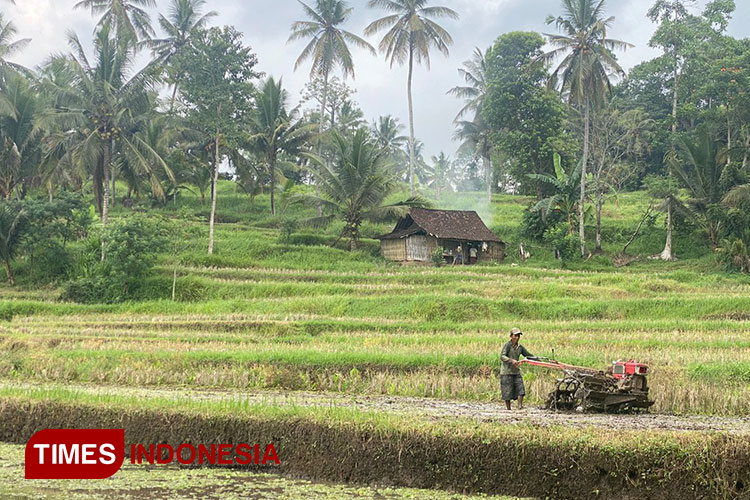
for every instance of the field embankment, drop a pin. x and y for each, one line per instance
(348, 445)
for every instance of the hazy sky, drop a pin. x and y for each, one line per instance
(380, 90)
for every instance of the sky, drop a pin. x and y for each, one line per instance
(380, 90)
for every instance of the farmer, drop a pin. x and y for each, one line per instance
(511, 381)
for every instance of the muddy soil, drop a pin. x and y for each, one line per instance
(431, 408)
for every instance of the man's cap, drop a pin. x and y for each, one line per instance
(516, 331)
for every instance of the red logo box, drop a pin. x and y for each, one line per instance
(75, 453)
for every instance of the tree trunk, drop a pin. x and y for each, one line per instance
(105, 196)
(674, 100)
(411, 119)
(272, 170)
(9, 272)
(113, 193)
(667, 254)
(747, 149)
(582, 203)
(599, 203)
(174, 96)
(488, 177)
(213, 197)
(729, 138)
(321, 126)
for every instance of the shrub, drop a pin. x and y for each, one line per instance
(288, 227)
(567, 244)
(129, 247)
(734, 254)
(437, 257)
(535, 224)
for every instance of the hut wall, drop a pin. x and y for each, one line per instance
(393, 249)
(495, 252)
(417, 248)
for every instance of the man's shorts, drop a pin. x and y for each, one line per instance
(512, 387)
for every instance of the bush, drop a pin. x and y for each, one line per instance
(734, 254)
(535, 224)
(130, 247)
(437, 257)
(567, 244)
(288, 227)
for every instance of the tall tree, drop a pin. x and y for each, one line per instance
(527, 119)
(128, 19)
(276, 130)
(20, 138)
(217, 91)
(103, 102)
(619, 140)
(14, 225)
(184, 20)
(411, 33)
(328, 45)
(475, 137)
(587, 63)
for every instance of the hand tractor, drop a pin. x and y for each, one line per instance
(621, 388)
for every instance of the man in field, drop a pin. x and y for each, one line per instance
(511, 381)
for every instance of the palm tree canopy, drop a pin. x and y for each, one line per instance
(328, 44)
(387, 133)
(411, 27)
(474, 74)
(586, 51)
(9, 46)
(127, 18)
(698, 166)
(105, 103)
(185, 17)
(276, 129)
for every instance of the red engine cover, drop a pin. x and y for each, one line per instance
(622, 369)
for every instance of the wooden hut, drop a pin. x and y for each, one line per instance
(461, 235)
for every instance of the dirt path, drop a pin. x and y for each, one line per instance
(426, 407)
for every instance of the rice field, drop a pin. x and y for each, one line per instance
(265, 316)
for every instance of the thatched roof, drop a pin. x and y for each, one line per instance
(443, 224)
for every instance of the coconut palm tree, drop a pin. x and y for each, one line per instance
(105, 104)
(20, 138)
(356, 185)
(587, 63)
(13, 228)
(439, 173)
(473, 92)
(8, 47)
(277, 131)
(387, 133)
(128, 19)
(475, 137)
(411, 32)
(328, 45)
(184, 19)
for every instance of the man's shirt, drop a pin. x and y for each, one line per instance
(512, 353)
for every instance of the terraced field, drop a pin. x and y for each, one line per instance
(412, 332)
(323, 348)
